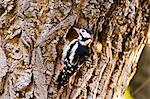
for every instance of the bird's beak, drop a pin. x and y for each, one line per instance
(77, 30)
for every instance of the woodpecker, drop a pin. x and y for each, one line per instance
(75, 54)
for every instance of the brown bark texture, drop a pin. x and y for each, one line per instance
(32, 40)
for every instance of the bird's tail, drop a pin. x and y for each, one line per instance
(64, 75)
(62, 79)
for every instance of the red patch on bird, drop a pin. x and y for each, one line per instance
(62, 68)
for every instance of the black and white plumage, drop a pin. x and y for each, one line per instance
(75, 54)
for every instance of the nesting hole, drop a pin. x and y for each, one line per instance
(71, 35)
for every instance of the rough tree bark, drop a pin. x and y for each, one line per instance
(31, 44)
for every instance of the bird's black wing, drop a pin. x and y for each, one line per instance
(80, 55)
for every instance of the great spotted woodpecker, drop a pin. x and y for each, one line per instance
(75, 54)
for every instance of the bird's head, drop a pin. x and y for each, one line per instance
(84, 33)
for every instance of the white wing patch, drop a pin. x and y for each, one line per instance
(66, 48)
(71, 57)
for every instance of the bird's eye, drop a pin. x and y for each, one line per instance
(83, 30)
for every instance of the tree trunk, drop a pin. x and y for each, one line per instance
(31, 45)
